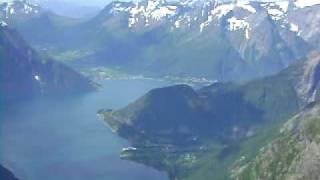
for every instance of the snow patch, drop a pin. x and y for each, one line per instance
(37, 77)
(117, 9)
(3, 24)
(277, 10)
(153, 10)
(152, 4)
(135, 10)
(294, 28)
(246, 5)
(129, 149)
(206, 23)
(276, 14)
(283, 5)
(163, 12)
(222, 10)
(188, 2)
(132, 21)
(16, 7)
(11, 11)
(306, 3)
(238, 24)
(177, 24)
(202, 26)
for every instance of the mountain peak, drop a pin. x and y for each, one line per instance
(18, 8)
(200, 14)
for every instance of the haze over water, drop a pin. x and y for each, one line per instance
(64, 139)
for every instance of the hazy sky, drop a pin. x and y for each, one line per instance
(100, 3)
(90, 2)
(83, 2)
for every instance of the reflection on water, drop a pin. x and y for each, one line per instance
(63, 139)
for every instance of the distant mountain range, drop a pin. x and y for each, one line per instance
(24, 74)
(213, 39)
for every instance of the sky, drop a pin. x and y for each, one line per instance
(97, 3)
(90, 2)
(100, 3)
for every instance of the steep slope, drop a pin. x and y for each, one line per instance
(217, 105)
(6, 174)
(33, 22)
(225, 41)
(293, 155)
(305, 21)
(25, 74)
(205, 39)
(177, 128)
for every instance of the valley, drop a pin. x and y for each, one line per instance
(202, 39)
(103, 73)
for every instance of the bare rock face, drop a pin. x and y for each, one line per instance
(308, 20)
(308, 86)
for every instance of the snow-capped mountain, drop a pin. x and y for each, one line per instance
(203, 14)
(235, 40)
(266, 36)
(33, 21)
(18, 9)
(196, 14)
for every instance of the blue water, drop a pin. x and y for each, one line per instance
(63, 139)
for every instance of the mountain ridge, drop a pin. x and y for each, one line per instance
(292, 155)
(177, 121)
(25, 74)
(224, 41)
(263, 48)
(6, 174)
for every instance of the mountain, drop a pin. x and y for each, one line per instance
(294, 154)
(18, 10)
(6, 174)
(224, 41)
(220, 105)
(217, 40)
(25, 74)
(34, 22)
(177, 128)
